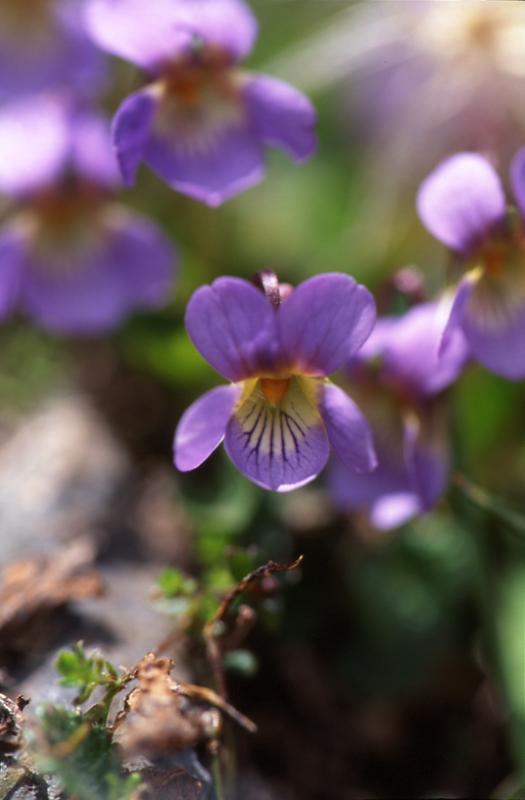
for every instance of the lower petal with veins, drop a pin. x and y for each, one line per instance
(280, 444)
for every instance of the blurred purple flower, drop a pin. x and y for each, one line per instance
(462, 203)
(398, 375)
(202, 123)
(71, 259)
(43, 45)
(280, 415)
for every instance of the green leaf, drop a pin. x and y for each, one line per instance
(509, 623)
(84, 672)
(174, 583)
(82, 756)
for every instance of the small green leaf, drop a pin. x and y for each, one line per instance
(84, 672)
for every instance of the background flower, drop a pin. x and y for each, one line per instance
(201, 124)
(43, 45)
(398, 377)
(72, 260)
(462, 202)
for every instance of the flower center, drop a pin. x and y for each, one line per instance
(200, 97)
(66, 221)
(499, 276)
(191, 78)
(275, 389)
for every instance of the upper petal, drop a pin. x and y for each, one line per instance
(281, 115)
(151, 34)
(131, 131)
(92, 154)
(201, 428)
(34, 142)
(229, 24)
(279, 447)
(233, 326)
(324, 321)
(412, 352)
(143, 32)
(461, 201)
(348, 431)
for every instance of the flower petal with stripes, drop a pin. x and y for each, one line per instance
(277, 437)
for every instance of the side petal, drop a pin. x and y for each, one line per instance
(392, 510)
(202, 426)
(517, 179)
(278, 447)
(281, 115)
(131, 130)
(324, 322)
(232, 324)
(461, 201)
(454, 325)
(348, 431)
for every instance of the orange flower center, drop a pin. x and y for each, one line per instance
(188, 80)
(274, 389)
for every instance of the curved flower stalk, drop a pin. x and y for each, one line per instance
(71, 259)
(399, 377)
(462, 203)
(280, 415)
(201, 124)
(43, 45)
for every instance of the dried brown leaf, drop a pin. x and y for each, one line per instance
(32, 589)
(155, 718)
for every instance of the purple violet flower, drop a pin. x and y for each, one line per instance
(72, 260)
(43, 45)
(399, 376)
(202, 123)
(462, 203)
(280, 415)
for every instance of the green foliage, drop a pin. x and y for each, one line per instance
(241, 661)
(82, 756)
(174, 583)
(84, 672)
